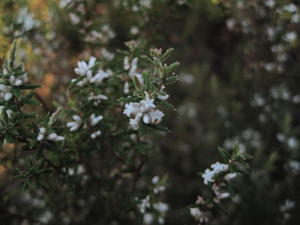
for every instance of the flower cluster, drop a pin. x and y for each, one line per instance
(85, 70)
(78, 122)
(5, 92)
(51, 136)
(150, 208)
(218, 177)
(144, 110)
(13, 79)
(74, 125)
(209, 174)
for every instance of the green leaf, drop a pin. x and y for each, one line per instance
(171, 79)
(167, 54)
(158, 127)
(30, 86)
(124, 132)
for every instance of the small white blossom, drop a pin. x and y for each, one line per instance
(134, 30)
(144, 204)
(97, 98)
(155, 180)
(106, 54)
(95, 119)
(41, 134)
(18, 81)
(84, 69)
(159, 189)
(96, 134)
(208, 175)
(99, 77)
(161, 207)
(230, 176)
(290, 36)
(51, 137)
(145, 110)
(148, 218)
(55, 137)
(287, 206)
(219, 167)
(74, 125)
(5, 92)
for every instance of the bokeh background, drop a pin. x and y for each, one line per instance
(239, 85)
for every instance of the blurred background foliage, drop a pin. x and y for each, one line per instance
(239, 85)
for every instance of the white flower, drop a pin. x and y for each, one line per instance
(18, 81)
(290, 36)
(134, 30)
(99, 77)
(55, 137)
(294, 166)
(196, 213)
(64, 3)
(84, 69)
(145, 110)
(126, 88)
(106, 54)
(132, 67)
(95, 119)
(208, 176)
(161, 207)
(155, 180)
(75, 19)
(148, 218)
(162, 95)
(219, 167)
(146, 3)
(134, 123)
(108, 32)
(270, 3)
(144, 204)
(153, 117)
(74, 125)
(97, 98)
(26, 20)
(50, 137)
(288, 205)
(41, 134)
(230, 176)
(159, 189)
(5, 92)
(161, 220)
(96, 134)
(126, 63)
(291, 8)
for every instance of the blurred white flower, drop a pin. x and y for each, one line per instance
(74, 125)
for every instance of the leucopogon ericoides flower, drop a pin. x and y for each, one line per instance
(19, 80)
(95, 119)
(85, 70)
(198, 215)
(145, 111)
(51, 136)
(74, 125)
(95, 134)
(5, 92)
(97, 99)
(209, 174)
(132, 67)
